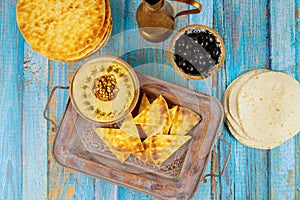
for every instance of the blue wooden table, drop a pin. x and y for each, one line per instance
(257, 34)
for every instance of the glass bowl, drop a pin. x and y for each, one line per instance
(104, 89)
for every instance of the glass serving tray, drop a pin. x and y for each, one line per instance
(78, 147)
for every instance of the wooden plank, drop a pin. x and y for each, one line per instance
(34, 125)
(205, 86)
(243, 26)
(283, 169)
(64, 183)
(11, 93)
(297, 76)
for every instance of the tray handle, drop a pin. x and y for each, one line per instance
(204, 180)
(47, 105)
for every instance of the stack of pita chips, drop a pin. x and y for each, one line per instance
(171, 127)
(165, 129)
(121, 141)
(65, 30)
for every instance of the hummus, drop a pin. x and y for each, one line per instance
(87, 101)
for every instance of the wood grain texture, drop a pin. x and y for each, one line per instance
(283, 58)
(244, 27)
(257, 34)
(206, 190)
(34, 126)
(297, 75)
(64, 183)
(11, 95)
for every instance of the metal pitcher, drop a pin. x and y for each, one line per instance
(156, 18)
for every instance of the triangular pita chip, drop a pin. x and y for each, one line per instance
(145, 155)
(120, 140)
(163, 146)
(155, 114)
(183, 121)
(144, 103)
(129, 127)
(122, 156)
(150, 130)
(172, 113)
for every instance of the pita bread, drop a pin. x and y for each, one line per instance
(234, 88)
(163, 146)
(158, 148)
(97, 44)
(145, 155)
(129, 127)
(239, 134)
(150, 130)
(144, 103)
(172, 113)
(183, 121)
(120, 140)
(269, 107)
(155, 114)
(259, 116)
(57, 29)
(121, 155)
(230, 104)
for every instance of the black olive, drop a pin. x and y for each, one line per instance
(197, 52)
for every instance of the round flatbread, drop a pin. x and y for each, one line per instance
(234, 89)
(230, 101)
(269, 107)
(239, 134)
(98, 43)
(57, 28)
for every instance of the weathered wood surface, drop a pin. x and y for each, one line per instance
(257, 34)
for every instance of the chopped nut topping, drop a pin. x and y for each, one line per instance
(105, 87)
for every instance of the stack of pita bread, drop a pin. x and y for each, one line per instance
(165, 129)
(65, 30)
(262, 108)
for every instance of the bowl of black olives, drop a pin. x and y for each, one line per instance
(197, 52)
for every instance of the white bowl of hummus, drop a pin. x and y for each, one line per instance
(104, 89)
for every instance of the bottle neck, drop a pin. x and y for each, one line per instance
(154, 5)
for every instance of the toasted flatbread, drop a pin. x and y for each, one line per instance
(121, 155)
(98, 43)
(269, 107)
(163, 146)
(144, 103)
(129, 127)
(150, 130)
(61, 28)
(183, 121)
(172, 113)
(145, 155)
(120, 140)
(155, 114)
